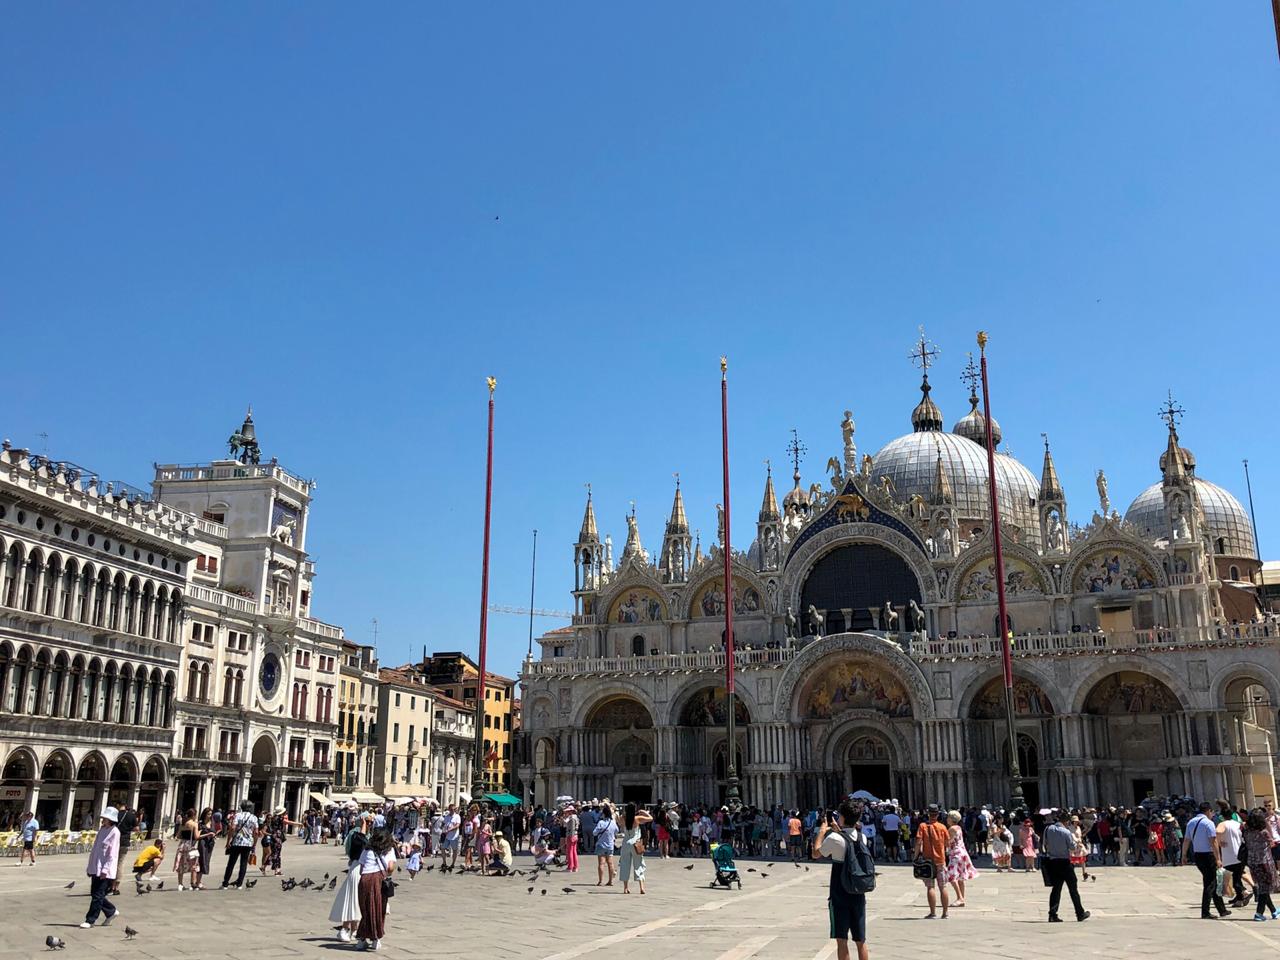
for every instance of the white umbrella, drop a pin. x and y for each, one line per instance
(864, 795)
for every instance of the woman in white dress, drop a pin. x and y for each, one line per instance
(346, 905)
(631, 861)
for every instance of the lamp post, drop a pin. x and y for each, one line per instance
(477, 775)
(732, 800)
(1016, 799)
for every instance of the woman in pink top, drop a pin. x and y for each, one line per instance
(102, 869)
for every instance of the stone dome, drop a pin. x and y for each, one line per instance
(1224, 515)
(911, 463)
(973, 426)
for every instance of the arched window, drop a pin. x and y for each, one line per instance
(1235, 572)
(193, 680)
(293, 709)
(239, 688)
(204, 683)
(637, 646)
(229, 688)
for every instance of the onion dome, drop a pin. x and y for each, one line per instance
(797, 495)
(926, 415)
(973, 425)
(1225, 518)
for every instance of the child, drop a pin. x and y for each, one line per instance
(1002, 847)
(415, 861)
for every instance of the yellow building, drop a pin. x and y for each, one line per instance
(457, 675)
(405, 715)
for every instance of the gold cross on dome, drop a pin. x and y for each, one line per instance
(924, 352)
(970, 375)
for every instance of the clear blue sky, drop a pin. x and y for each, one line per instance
(348, 215)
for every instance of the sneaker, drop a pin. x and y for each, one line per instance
(1054, 919)
(86, 925)
(377, 945)
(1224, 913)
(1260, 917)
(1275, 914)
(362, 945)
(344, 935)
(1083, 917)
(107, 921)
(179, 888)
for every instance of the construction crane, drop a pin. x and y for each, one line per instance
(525, 611)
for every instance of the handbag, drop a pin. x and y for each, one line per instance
(388, 885)
(638, 847)
(922, 868)
(253, 859)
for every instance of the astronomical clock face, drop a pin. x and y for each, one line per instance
(269, 675)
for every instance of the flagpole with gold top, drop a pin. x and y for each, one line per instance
(731, 798)
(477, 774)
(1006, 641)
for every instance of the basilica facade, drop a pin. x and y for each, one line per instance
(868, 651)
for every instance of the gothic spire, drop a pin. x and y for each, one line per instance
(941, 482)
(769, 508)
(1050, 486)
(589, 533)
(678, 523)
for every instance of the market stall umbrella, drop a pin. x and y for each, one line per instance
(503, 799)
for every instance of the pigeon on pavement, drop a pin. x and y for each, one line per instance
(531, 889)
(160, 885)
(691, 866)
(54, 943)
(69, 885)
(544, 891)
(250, 884)
(567, 889)
(333, 882)
(130, 933)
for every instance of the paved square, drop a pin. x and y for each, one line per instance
(1136, 913)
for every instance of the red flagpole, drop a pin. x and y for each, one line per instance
(478, 779)
(731, 754)
(1006, 651)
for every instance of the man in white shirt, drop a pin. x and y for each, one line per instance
(889, 825)
(450, 840)
(847, 911)
(1202, 840)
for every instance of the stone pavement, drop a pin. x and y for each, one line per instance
(1137, 912)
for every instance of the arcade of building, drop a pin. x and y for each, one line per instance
(865, 617)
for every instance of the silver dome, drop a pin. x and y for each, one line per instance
(1226, 518)
(973, 426)
(911, 463)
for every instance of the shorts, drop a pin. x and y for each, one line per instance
(453, 844)
(28, 844)
(848, 916)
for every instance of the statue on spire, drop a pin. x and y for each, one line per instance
(850, 448)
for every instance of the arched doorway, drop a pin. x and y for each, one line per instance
(1135, 707)
(16, 781)
(55, 791)
(544, 758)
(263, 761)
(1250, 704)
(1028, 767)
(124, 778)
(701, 735)
(857, 577)
(1031, 705)
(622, 738)
(151, 794)
(869, 763)
(91, 782)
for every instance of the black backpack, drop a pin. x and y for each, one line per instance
(858, 872)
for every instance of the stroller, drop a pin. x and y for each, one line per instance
(726, 869)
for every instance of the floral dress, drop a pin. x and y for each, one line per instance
(1258, 853)
(959, 866)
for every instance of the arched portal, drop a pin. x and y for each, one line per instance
(55, 790)
(622, 738)
(1028, 768)
(16, 782)
(1136, 713)
(856, 578)
(124, 780)
(90, 792)
(869, 761)
(263, 768)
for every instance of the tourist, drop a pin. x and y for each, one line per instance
(470, 827)
(1059, 843)
(148, 862)
(1257, 843)
(1229, 842)
(275, 830)
(104, 861)
(376, 862)
(483, 835)
(1001, 846)
(1202, 840)
(847, 911)
(795, 835)
(571, 827)
(1079, 852)
(207, 835)
(241, 834)
(187, 860)
(346, 905)
(30, 828)
(931, 848)
(502, 861)
(631, 861)
(449, 839)
(1027, 841)
(959, 867)
(606, 831)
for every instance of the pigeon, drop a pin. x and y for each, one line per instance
(770, 865)
(249, 884)
(691, 866)
(148, 886)
(544, 891)
(430, 868)
(531, 889)
(142, 890)
(567, 889)
(160, 885)
(806, 869)
(69, 885)
(54, 943)
(751, 869)
(333, 882)
(796, 865)
(765, 876)
(325, 877)
(306, 883)
(130, 933)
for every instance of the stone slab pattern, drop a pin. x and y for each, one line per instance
(1137, 912)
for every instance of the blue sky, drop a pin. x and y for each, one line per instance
(349, 215)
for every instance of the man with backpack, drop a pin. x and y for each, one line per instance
(839, 837)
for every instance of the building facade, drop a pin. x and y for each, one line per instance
(357, 743)
(453, 744)
(456, 675)
(256, 714)
(93, 584)
(867, 647)
(402, 767)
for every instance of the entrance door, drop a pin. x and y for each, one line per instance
(1143, 787)
(875, 778)
(641, 794)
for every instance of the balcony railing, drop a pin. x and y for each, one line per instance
(222, 598)
(194, 753)
(654, 663)
(232, 470)
(229, 756)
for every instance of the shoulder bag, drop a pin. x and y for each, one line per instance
(388, 885)
(922, 868)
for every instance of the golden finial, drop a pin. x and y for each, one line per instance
(982, 341)
(493, 382)
(724, 365)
